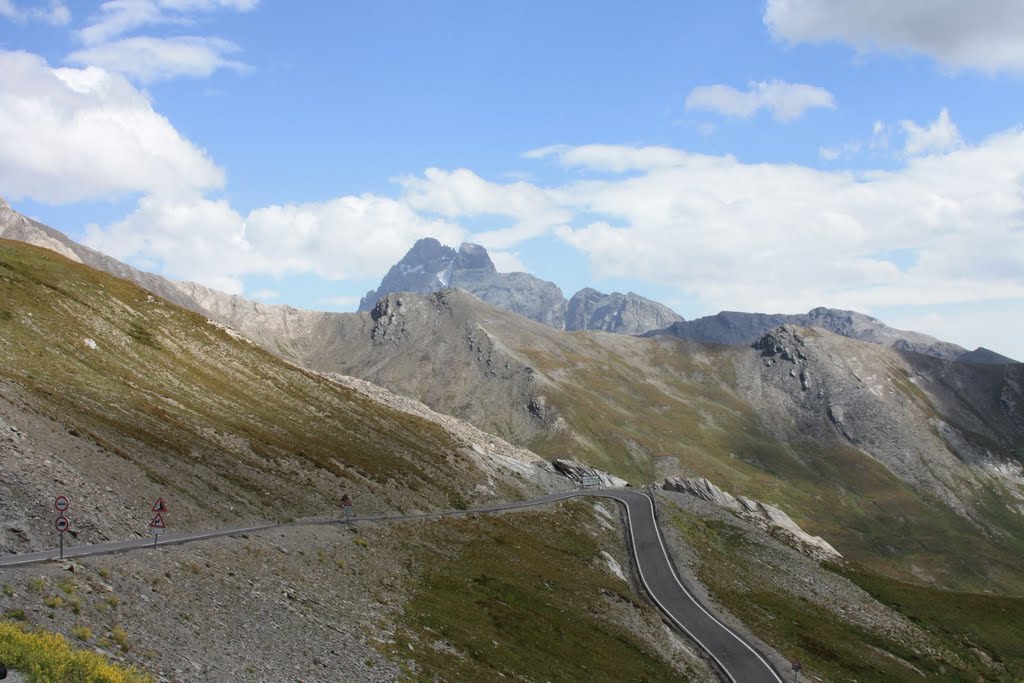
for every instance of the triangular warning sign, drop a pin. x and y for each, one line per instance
(157, 522)
(160, 506)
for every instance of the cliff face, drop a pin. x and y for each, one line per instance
(630, 313)
(430, 266)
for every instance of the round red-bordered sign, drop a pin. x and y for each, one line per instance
(62, 524)
(62, 503)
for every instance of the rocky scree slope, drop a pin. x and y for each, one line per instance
(115, 397)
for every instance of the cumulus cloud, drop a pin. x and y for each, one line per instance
(464, 194)
(55, 13)
(508, 262)
(207, 241)
(775, 237)
(987, 36)
(147, 59)
(942, 135)
(786, 101)
(71, 134)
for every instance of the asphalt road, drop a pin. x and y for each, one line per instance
(738, 661)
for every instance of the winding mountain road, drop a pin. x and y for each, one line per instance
(738, 661)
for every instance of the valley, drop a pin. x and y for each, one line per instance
(908, 464)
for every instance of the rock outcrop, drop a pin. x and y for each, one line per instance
(431, 266)
(767, 517)
(576, 471)
(736, 328)
(630, 313)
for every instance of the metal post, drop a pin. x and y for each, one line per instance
(62, 545)
(156, 537)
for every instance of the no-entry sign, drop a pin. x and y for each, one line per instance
(62, 503)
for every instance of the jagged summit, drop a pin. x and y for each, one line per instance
(430, 266)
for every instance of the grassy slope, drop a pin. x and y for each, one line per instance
(971, 637)
(204, 415)
(524, 597)
(677, 399)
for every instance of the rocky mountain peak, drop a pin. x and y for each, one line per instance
(474, 257)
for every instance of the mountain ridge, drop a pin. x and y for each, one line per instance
(586, 310)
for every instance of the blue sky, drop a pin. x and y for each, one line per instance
(769, 156)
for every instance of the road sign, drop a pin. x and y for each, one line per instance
(157, 526)
(62, 503)
(160, 507)
(62, 524)
(796, 665)
(346, 505)
(590, 481)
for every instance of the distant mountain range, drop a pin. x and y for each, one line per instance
(430, 266)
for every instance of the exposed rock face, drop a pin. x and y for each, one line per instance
(736, 328)
(767, 517)
(630, 313)
(919, 416)
(576, 471)
(427, 267)
(430, 266)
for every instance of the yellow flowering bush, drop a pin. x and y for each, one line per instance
(43, 657)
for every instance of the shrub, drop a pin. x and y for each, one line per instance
(43, 656)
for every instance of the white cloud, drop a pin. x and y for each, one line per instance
(508, 262)
(55, 13)
(265, 295)
(117, 17)
(147, 59)
(207, 241)
(941, 136)
(194, 239)
(464, 194)
(775, 237)
(988, 35)
(120, 16)
(847, 150)
(615, 158)
(786, 101)
(72, 134)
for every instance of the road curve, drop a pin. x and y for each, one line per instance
(737, 660)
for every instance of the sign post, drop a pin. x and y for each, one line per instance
(796, 666)
(62, 524)
(590, 481)
(346, 505)
(157, 525)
